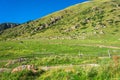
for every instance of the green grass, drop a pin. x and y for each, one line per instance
(80, 35)
(45, 52)
(106, 72)
(103, 73)
(51, 48)
(18, 48)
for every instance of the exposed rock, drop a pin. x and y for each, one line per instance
(39, 28)
(15, 61)
(95, 8)
(75, 27)
(67, 30)
(110, 21)
(101, 32)
(4, 26)
(46, 25)
(87, 20)
(97, 27)
(95, 32)
(54, 20)
(24, 67)
(103, 26)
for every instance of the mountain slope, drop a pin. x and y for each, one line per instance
(4, 26)
(93, 19)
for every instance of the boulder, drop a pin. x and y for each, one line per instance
(24, 67)
(101, 32)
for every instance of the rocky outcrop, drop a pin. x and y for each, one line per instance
(53, 20)
(24, 67)
(4, 26)
(16, 61)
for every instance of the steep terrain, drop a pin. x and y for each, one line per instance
(4, 26)
(92, 19)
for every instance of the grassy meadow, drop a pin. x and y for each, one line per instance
(65, 53)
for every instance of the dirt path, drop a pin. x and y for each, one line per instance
(4, 60)
(67, 66)
(101, 46)
(94, 45)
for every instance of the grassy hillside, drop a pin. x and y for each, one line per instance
(81, 42)
(93, 19)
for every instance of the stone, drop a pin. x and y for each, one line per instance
(101, 32)
(24, 67)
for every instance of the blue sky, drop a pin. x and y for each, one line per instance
(20, 11)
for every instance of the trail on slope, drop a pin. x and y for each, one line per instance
(101, 46)
(92, 45)
(67, 66)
